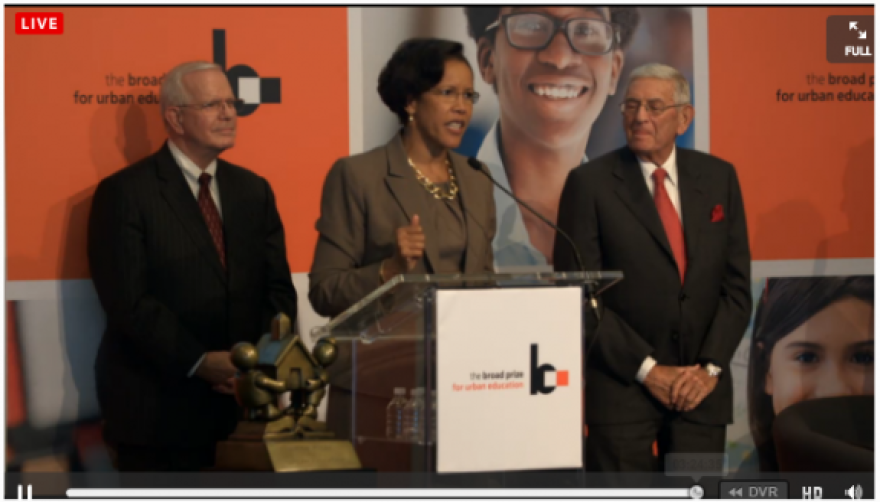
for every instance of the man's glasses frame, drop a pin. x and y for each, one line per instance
(216, 105)
(558, 25)
(655, 108)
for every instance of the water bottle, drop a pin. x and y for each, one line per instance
(413, 416)
(394, 414)
(419, 410)
(407, 416)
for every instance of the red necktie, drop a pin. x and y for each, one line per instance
(671, 222)
(212, 216)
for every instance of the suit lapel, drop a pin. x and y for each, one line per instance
(180, 197)
(693, 204)
(404, 186)
(633, 190)
(234, 219)
(471, 204)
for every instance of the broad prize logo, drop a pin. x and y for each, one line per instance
(246, 83)
(544, 378)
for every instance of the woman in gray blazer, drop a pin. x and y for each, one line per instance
(412, 205)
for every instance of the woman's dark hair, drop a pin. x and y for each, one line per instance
(478, 18)
(786, 304)
(415, 67)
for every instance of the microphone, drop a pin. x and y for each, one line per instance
(477, 166)
(474, 163)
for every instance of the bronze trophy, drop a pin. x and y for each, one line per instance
(290, 439)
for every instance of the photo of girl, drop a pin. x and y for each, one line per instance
(813, 337)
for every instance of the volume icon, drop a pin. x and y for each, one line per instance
(854, 492)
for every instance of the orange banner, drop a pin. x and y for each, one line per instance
(81, 105)
(806, 166)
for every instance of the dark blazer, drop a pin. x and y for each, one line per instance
(366, 198)
(169, 300)
(608, 211)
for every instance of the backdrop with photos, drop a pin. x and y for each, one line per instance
(82, 105)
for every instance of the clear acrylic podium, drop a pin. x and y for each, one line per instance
(388, 340)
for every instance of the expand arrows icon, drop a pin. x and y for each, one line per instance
(854, 25)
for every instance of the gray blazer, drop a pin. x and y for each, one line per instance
(366, 198)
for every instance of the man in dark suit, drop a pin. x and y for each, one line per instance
(672, 220)
(188, 257)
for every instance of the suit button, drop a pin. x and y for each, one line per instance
(675, 336)
(682, 297)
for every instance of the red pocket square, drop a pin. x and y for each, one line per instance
(717, 213)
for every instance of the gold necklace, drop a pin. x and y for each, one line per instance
(434, 189)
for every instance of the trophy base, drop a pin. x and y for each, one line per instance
(296, 455)
(259, 431)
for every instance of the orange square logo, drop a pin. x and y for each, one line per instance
(562, 378)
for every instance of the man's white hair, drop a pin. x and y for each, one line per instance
(173, 92)
(682, 90)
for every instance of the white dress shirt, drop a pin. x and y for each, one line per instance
(191, 173)
(671, 185)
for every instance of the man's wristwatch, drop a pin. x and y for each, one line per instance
(712, 370)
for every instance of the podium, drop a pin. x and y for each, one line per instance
(500, 359)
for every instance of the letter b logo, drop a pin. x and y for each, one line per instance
(541, 374)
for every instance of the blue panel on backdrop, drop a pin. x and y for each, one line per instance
(473, 138)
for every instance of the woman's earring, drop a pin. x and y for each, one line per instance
(410, 118)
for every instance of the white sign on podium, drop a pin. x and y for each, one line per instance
(509, 385)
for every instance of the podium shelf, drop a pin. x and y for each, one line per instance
(378, 439)
(395, 309)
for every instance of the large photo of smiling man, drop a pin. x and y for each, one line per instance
(553, 69)
(549, 80)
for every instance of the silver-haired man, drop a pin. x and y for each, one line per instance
(188, 257)
(672, 219)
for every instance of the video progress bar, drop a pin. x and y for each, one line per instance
(238, 493)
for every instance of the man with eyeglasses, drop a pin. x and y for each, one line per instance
(553, 69)
(672, 220)
(188, 257)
